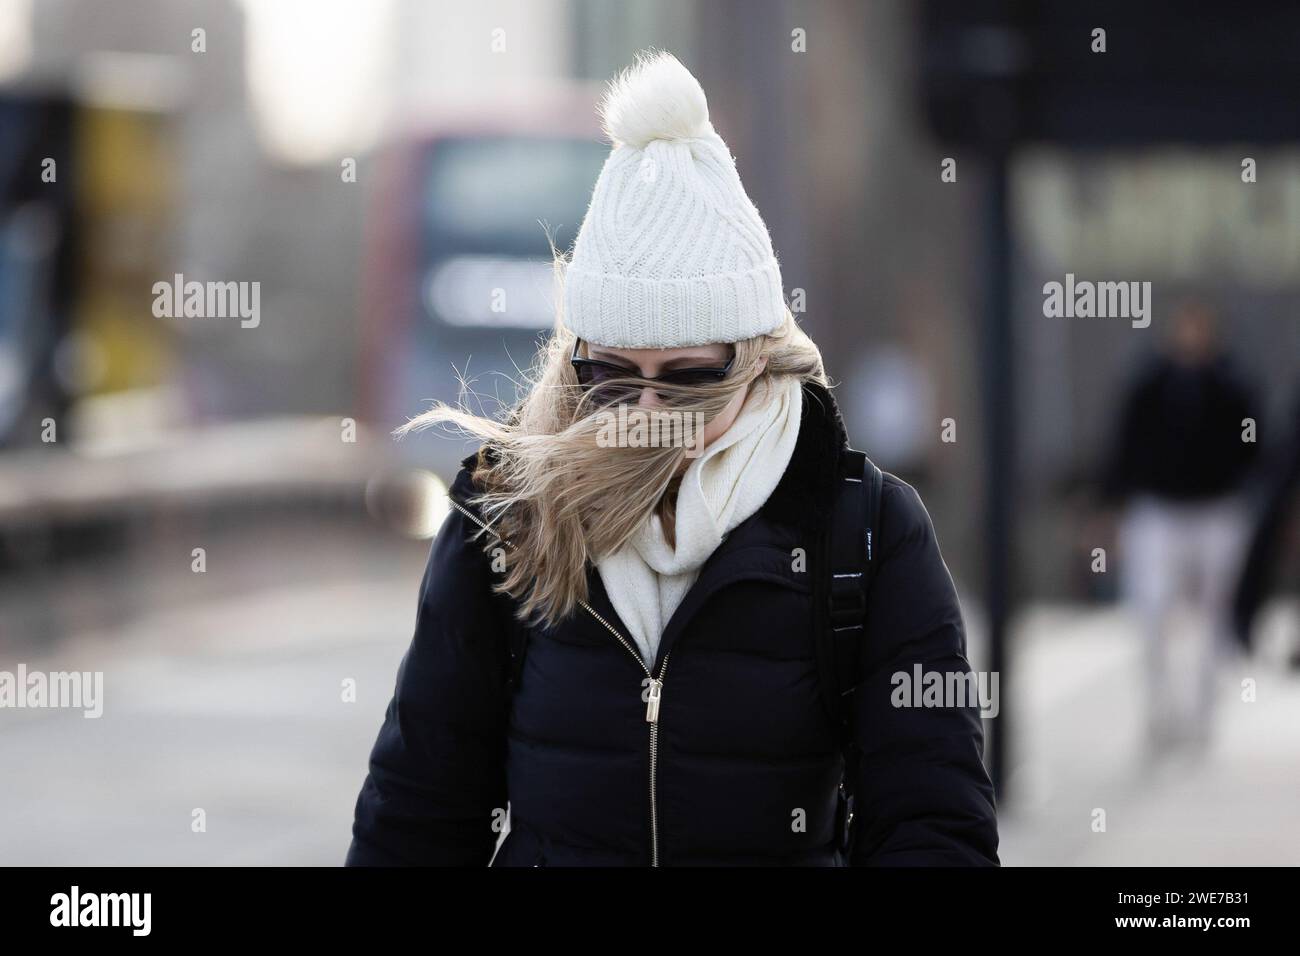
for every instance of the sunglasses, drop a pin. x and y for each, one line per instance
(596, 374)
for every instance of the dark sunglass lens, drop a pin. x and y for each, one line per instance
(590, 374)
(694, 376)
(606, 373)
(597, 378)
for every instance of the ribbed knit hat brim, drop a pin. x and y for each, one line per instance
(635, 313)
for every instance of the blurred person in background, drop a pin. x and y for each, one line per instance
(1183, 454)
(667, 708)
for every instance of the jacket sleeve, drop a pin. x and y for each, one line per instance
(436, 783)
(922, 794)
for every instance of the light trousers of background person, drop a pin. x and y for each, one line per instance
(1174, 549)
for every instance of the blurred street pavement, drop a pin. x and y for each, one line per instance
(233, 705)
(1080, 747)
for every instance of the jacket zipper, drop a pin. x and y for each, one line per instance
(653, 701)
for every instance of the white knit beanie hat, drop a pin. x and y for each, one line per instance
(672, 251)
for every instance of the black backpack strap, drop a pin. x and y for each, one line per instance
(851, 558)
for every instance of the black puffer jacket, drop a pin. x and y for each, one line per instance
(741, 767)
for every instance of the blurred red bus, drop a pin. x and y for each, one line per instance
(458, 271)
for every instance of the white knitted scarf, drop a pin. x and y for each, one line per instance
(647, 578)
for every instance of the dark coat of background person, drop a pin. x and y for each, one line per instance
(1180, 428)
(747, 764)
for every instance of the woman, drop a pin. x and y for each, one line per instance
(616, 633)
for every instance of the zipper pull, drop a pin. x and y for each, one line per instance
(652, 702)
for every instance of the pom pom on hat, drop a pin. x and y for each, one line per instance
(654, 99)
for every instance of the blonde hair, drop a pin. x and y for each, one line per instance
(559, 496)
